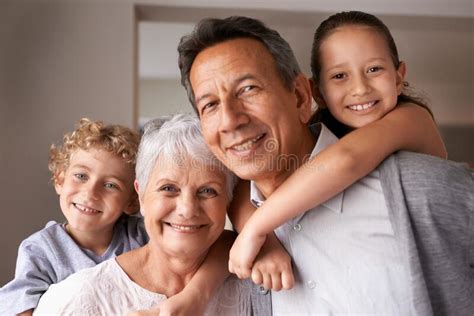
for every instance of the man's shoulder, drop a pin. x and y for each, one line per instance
(419, 173)
(416, 164)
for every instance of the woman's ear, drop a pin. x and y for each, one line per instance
(317, 96)
(401, 71)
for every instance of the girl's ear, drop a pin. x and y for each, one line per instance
(401, 71)
(317, 96)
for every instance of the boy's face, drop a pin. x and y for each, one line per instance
(94, 190)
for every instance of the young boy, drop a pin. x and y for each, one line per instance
(93, 174)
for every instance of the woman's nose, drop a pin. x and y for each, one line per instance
(187, 206)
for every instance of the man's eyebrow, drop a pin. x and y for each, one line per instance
(235, 82)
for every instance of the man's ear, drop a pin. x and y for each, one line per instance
(317, 96)
(58, 182)
(401, 71)
(303, 97)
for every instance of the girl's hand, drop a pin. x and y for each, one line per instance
(243, 252)
(272, 268)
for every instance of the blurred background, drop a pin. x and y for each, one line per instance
(116, 60)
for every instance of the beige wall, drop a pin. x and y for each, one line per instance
(58, 62)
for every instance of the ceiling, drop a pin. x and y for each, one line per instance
(164, 22)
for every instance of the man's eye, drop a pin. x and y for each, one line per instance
(207, 192)
(249, 88)
(208, 106)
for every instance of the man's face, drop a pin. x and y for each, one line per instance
(248, 117)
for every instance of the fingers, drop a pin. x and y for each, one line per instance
(242, 272)
(288, 279)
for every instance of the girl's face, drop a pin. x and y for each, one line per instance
(358, 81)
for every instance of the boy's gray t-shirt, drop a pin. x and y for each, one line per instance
(51, 255)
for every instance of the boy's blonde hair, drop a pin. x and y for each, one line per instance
(88, 134)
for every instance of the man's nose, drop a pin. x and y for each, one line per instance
(233, 114)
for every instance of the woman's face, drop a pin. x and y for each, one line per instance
(184, 205)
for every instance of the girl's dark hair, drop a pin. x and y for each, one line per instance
(326, 28)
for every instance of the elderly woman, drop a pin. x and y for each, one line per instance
(184, 192)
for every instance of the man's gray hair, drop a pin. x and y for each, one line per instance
(209, 32)
(177, 138)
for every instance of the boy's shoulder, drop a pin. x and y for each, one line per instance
(51, 231)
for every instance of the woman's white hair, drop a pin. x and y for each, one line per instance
(178, 138)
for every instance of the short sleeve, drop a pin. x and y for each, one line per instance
(33, 275)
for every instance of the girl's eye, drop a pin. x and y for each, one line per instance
(110, 185)
(374, 69)
(338, 76)
(207, 192)
(80, 176)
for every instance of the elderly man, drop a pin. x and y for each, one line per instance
(399, 241)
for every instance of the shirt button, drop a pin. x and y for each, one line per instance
(471, 265)
(311, 284)
(297, 227)
(262, 290)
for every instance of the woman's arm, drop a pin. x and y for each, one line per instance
(407, 127)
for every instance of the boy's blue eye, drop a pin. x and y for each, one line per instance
(110, 185)
(80, 176)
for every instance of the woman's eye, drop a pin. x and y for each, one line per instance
(207, 192)
(169, 188)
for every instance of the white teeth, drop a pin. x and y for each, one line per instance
(360, 107)
(247, 145)
(85, 209)
(185, 228)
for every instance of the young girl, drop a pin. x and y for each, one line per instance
(358, 83)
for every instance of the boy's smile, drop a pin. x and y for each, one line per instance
(94, 191)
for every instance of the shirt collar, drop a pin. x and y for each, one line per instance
(326, 138)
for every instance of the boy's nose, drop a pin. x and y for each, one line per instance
(92, 190)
